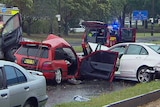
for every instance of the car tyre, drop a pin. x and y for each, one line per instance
(9, 54)
(58, 76)
(28, 104)
(143, 76)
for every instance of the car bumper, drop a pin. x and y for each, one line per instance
(49, 75)
(43, 101)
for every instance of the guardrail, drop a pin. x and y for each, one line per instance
(137, 100)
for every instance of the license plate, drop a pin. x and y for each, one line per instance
(112, 38)
(29, 61)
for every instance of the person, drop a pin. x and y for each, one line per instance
(1, 23)
(90, 34)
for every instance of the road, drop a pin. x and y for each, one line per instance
(65, 92)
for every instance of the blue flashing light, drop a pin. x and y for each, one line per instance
(115, 26)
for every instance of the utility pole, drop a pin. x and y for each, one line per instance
(152, 22)
(59, 18)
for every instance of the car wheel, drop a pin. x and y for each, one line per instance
(58, 76)
(9, 54)
(28, 104)
(143, 76)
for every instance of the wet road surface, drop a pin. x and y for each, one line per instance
(65, 92)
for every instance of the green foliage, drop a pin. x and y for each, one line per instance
(72, 11)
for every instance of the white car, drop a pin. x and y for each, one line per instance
(20, 87)
(77, 29)
(137, 61)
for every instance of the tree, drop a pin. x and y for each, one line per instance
(26, 10)
(72, 11)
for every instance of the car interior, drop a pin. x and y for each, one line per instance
(99, 64)
(97, 35)
(67, 54)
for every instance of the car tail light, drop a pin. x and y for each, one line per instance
(47, 66)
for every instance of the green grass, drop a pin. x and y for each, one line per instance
(143, 35)
(77, 48)
(105, 99)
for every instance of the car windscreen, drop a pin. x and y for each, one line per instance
(35, 51)
(155, 48)
(93, 32)
(96, 35)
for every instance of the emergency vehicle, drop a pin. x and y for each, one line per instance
(10, 31)
(103, 34)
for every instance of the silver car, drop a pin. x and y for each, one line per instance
(20, 87)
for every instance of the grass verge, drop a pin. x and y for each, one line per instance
(105, 99)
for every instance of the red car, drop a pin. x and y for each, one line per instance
(58, 61)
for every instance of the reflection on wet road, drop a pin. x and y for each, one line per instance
(65, 92)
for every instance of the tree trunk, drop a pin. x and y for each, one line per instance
(29, 21)
(51, 31)
(66, 28)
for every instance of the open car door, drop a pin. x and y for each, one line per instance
(99, 64)
(127, 35)
(95, 32)
(11, 36)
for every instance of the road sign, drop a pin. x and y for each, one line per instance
(4, 9)
(140, 15)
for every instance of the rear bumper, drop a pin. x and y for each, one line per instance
(43, 101)
(49, 75)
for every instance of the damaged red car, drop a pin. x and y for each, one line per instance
(58, 61)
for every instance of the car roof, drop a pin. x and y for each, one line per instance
(138, 43)
(55, 41)
(50, 41)
(3, 62)
(94, 24)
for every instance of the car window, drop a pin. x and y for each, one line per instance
(155, 48)
(35, 51)
(119, 49)
(59, 54)
(69, 53)
(13, 24)
(14, 76)
(63, 53)
(136, 50)
(96, 32)
(20, 76)
(143, 51)
(1, 79)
